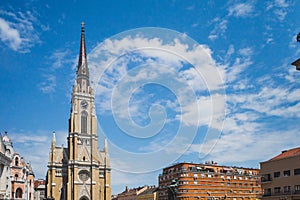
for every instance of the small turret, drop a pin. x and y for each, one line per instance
(105, 146)
(6, 139)
(53, 143)
(2, 147)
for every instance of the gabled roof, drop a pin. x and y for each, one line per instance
(150, 190)
(287, 154)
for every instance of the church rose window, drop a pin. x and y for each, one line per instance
(84, 175)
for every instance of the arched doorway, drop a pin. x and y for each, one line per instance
(19, 193)
(84, 198)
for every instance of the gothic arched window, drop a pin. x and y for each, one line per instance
(84, 116)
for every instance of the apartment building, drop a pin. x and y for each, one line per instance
(131, 194)
(281, 176)
(149, 194)
(39, 189)
(186, 181)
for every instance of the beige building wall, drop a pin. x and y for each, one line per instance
(281, 176)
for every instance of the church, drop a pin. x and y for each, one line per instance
(80, 171)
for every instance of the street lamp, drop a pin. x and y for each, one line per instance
(173, 189)
(296, 63)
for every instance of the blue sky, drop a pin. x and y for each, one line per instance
(174, 80)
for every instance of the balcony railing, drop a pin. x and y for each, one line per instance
(281, 193)
(267, 179)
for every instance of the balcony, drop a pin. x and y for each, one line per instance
(282, 193)
(266, 178)
(267, 194)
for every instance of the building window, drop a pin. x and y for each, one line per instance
(267, 192)
(287, 173)
(17, 161)
(266, 177)
(277, 190)
(297, 171)
(16, 177)
(84, 122)
(58, 172)
(19, 193)
(276, 174)
(287, 189)
(297, 188)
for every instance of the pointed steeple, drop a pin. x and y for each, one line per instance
(82, 67)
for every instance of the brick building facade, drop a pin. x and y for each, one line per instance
(208, 181)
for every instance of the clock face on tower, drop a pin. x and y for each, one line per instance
(84, 104)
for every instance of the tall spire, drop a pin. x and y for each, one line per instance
(82, 68)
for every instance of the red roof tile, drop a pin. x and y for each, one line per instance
(287, 154)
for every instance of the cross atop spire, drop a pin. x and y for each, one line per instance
(82, 68)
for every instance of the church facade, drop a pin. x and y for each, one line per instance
(80, 171)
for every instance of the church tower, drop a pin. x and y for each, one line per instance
(80, 171)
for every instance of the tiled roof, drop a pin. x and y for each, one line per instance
(149, 191)
(287, 154)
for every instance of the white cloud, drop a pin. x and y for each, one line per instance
(219, 28)
(279, 8)
(28, 138)
(132, 180)
(49, 83)
(281, 3)
(17, 30)
(270, 101)
(205, 111)
(241, 9)
(242, 61)
(9, 35)
(35, 147)
(57, 60)
(163, 66)
(280, 14)
(121, 65)
(241, 146)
